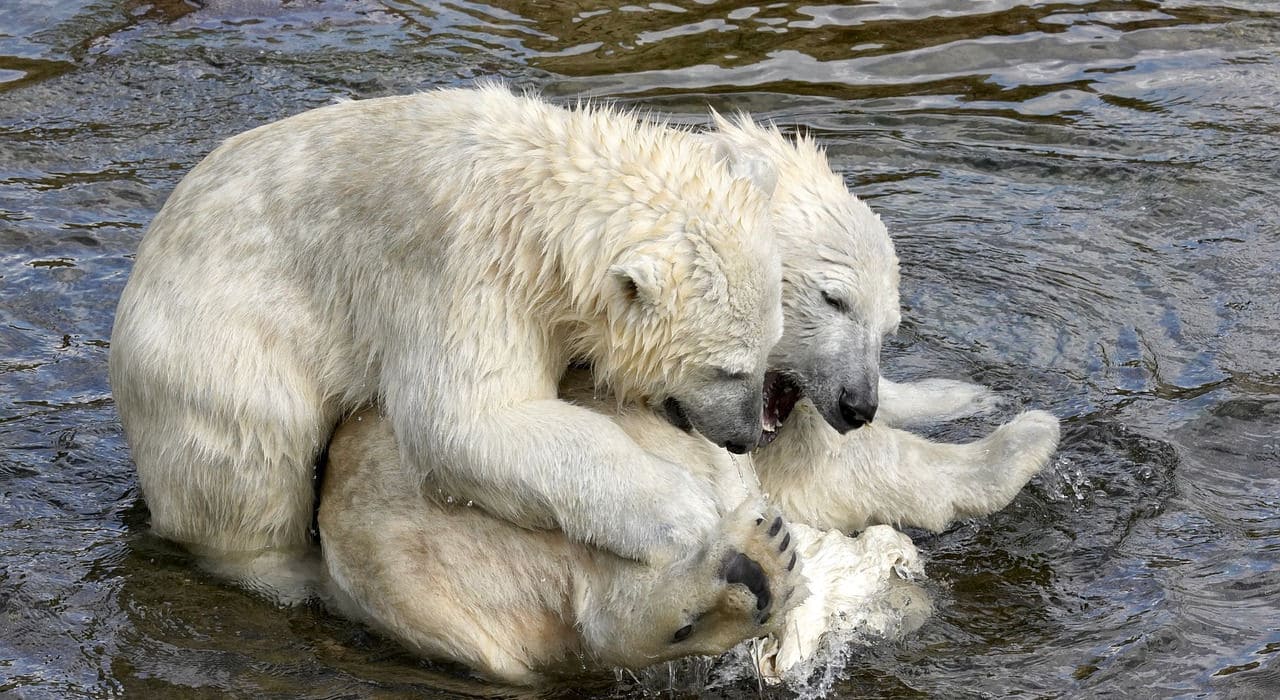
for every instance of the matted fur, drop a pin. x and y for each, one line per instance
(456, 583)
(447, 255)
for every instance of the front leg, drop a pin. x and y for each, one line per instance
(930, 401)
(879, 475)
(547, 464)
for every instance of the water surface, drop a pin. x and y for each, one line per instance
(1083, 194)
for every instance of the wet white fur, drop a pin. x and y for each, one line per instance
(834, 249)
(514, 608)
(451, 582)
(445, 254)
(878, 474)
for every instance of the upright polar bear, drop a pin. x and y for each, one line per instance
(452, 582)
(447, 255)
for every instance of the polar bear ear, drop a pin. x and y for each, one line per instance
(640, 279)
(756, 169)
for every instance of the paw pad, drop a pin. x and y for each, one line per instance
(742, 569)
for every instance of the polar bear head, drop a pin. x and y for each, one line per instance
(693, 302)
(840, 282)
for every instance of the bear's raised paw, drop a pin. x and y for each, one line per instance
(755, 578)
(739, 586)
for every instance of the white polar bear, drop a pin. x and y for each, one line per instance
(447, 255)
(840, 296)
(455, 583)
(451, 582)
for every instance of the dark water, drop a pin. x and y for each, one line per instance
(1084, 196)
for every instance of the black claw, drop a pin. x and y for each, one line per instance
(792, 565)
(786, 542)
(777, 525)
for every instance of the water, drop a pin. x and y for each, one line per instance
(1083, 195)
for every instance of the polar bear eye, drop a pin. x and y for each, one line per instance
(835, 303)
(682, 634)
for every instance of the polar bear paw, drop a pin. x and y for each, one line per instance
(768, 565)
(1023, 446)
(740, 586)
(756, 567)
(1005, 461)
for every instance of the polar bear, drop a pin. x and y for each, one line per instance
(446, 255)
(833, 464)
(453, 582)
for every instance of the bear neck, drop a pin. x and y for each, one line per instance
(626, 363)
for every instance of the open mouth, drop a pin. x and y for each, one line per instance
(780, 397)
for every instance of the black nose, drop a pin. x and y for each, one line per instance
(737, 448)
(855, 410)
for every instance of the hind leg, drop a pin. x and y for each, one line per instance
(229, 496)
(879, 475)
(928, 401)
(239, 502)
(224, 437)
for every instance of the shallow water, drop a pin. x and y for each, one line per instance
(1083, 195)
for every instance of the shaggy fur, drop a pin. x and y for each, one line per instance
(453, 582)
(446, 255)
(840, 296)
(840, 275)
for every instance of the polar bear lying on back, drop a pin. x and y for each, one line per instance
(446, 255)
(452, 582)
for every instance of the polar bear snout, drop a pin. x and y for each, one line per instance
(857, 408)
(737, 436)
(725, 408)
(846, 396)
(731, 418)
(739, 439)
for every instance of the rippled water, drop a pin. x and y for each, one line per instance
(1084, 197)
